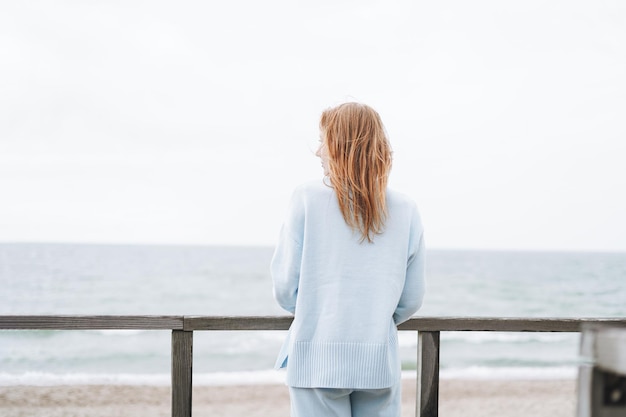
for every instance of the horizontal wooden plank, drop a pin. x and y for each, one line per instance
(238, 323)
(431, 324)
(80, 322)
(505, 324)
(191, 323)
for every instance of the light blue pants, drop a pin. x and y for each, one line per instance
(332, 402)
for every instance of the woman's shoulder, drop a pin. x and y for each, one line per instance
(403, 208)
(312, 187)
(309, 192)
(398, 198)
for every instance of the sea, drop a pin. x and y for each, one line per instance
(89, 279)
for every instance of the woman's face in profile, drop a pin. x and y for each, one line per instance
(322, 153)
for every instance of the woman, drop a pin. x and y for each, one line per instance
(349, 265)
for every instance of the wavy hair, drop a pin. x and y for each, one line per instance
(359, 161)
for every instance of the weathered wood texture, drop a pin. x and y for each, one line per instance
(190, 323)
(238, 323)
(427, 402)
(182, 371)
(504, 324)
(77, 322)
(431, 324)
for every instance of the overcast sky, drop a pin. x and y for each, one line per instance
(191, 122)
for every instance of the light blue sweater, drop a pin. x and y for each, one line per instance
(347, 296)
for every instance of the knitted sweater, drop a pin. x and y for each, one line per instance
(347, 296)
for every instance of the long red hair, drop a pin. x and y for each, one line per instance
(359, 161)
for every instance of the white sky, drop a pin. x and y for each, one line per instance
(191, 122)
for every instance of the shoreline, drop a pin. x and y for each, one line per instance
(458, 397)
(269, 377)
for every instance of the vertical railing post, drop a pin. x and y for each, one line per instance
(427, 404)
(182, 364)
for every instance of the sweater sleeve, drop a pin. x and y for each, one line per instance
(414, 285)
(285, 265)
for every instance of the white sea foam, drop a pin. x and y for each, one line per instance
(117, 332)
(504, 373)
(508, 337)
(264, 377)
(50, 379)
(270, 376)
(513, 373)
(408, 339)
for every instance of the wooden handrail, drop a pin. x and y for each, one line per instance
(182, 327)
(80, 322)
(191, 323)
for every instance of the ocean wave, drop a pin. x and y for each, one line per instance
(51, 379)
(508, 337)
(409, 339)
(265, 377)
(515, 373)
(117, 332)
(269, 376)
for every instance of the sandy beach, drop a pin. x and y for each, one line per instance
(458, 397)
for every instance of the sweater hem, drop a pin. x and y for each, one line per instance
(341, 365)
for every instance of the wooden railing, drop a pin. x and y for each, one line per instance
(428, 331)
